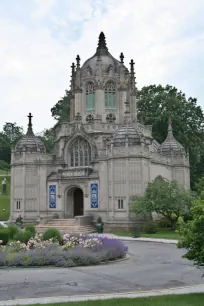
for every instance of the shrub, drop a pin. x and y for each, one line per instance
(4, 235)
(164, 222)
(13, 230)
(52, 233)
(23, 236)
(150, 228)
(30, 228)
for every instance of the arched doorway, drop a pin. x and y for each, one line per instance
(74, 203)
(78, 202)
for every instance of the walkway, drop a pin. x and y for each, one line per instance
(151, 267)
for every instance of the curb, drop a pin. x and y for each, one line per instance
(165, 241)
(9, 268)
(61, 299)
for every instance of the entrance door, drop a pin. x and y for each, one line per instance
(78, 202)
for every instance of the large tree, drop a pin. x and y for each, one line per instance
(192, 233)
(8, 138)
(166, 198)
(61, 110)
(48, 138)
(156, 104)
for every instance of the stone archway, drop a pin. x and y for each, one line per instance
(74, 202)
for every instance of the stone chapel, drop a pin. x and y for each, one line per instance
(103, 156)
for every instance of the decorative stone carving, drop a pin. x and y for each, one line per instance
(89, 118)
(110, 118)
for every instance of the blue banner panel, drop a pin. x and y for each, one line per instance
(94, 195)
(52, 196)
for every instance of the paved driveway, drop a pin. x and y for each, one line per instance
(151, 266)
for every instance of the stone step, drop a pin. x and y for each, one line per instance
(62, 222)
(69, 229)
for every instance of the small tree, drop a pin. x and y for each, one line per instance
(192, 234)
(166, 198)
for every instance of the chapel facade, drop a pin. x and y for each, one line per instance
(103, 156)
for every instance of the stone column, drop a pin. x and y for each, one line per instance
(24, 185)
(127, 193)
(99, 101)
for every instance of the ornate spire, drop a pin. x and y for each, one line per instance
(122, 58)
(72, 76)
(78, 61)
(30, 129)
(102, 48)
(132, 66)
(132, 74)
(73, 69)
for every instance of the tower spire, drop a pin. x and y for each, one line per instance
(102, 48)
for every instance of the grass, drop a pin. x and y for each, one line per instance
(4, 172)
(168, 300)
(5, 201)
(161, 233)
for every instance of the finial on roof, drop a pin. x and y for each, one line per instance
(73, 68)
(132, 66)
(169, 125)
(30, 129)
(78, 61)
(102, 48)
(122, 58)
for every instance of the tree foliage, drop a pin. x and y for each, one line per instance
(157, 103)
(8, 138)
(166, 198)
(61, 110)
(192, 234)
(48, 138)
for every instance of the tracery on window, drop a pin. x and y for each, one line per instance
(80, 153)
(90, 96)
(110, 95)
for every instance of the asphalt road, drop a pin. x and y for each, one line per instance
(150, 266)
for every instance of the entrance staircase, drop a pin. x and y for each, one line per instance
(66, 226)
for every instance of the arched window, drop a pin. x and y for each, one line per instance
(110, 95)
(90, 96)
(80, 153)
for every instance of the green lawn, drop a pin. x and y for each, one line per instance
(5, 201)
(168, 300)
(161, 233)
(4, 172)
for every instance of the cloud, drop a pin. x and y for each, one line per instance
(42, 8)
(38, 45)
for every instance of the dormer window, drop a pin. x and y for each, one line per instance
(90, 96)
(110, 96)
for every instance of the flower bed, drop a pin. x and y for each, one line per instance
(72, 250)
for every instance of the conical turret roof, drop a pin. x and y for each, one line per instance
(170, 144)
(30, 142)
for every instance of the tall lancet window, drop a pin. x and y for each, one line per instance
(90, 96)
(110, 95)
(80, 153)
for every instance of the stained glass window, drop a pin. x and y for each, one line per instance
(90, 96)
(80, 153)
(110, 96)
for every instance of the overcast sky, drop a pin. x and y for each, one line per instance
(41, 38)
